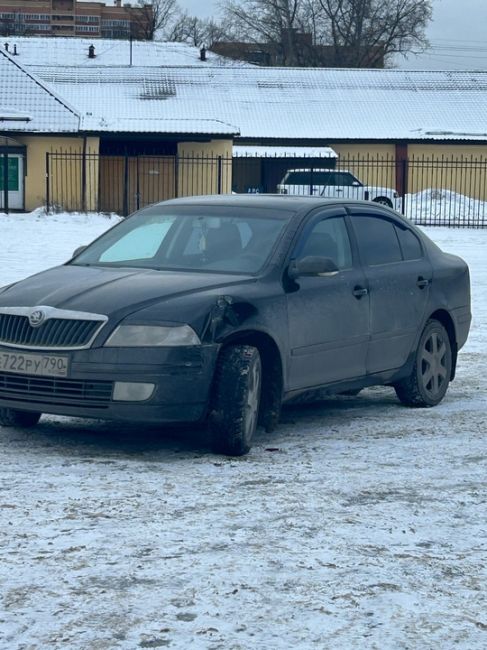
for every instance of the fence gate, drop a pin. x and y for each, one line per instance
(122, 184)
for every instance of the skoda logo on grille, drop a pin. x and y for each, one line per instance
(36, 318)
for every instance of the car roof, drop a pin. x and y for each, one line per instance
(284, 203)
(267, 201)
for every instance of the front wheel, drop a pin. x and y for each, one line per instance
(14, 418)
(430, 376)
(236, 399)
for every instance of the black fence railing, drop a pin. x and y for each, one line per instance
(429, 191)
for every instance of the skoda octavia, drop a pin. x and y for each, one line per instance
(222, 308)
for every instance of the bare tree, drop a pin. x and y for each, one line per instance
(268, 21)
(353, 33)
(151, 17)
(190, 29)
(363, 30)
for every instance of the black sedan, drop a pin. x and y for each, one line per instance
(222, 308)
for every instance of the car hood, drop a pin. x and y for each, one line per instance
(109, 291)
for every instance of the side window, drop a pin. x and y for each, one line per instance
(342, 178)
(329, 238)
(377, 240)
(410, 246)
(320, 178)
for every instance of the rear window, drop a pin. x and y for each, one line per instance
(410, 245)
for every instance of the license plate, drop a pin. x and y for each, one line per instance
(43, 365)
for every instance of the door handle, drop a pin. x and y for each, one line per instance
(422, 282)
(359, 292)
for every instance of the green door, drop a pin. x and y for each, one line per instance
(15, 172)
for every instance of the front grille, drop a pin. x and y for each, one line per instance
(48, 327)
(92, 394)
(56, 332)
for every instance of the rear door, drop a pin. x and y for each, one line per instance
(328, 317)
(398, 276)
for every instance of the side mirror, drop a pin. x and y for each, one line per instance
(79, 250)
(356, 184)
(312, 266)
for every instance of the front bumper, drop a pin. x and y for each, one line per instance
(182, 376)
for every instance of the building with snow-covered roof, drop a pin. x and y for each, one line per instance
(160, 107)
(63, 51)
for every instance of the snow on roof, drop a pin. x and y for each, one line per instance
(279, 103)
(61, 51)
(8, 114)
(29, 105)
(250, 151)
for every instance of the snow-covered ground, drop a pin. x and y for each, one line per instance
(359, 523)
(443, 207)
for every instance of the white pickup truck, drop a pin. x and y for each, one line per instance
(335, 183)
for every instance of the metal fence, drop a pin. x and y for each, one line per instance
(429, 191)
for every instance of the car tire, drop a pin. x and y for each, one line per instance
(14, 418)
(383, 200)
(236, 399)
(430, 376)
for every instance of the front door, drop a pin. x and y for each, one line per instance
(15, 181)
(328, 316)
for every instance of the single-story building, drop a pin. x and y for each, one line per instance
(230, 126)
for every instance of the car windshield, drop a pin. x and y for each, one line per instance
(220, 239)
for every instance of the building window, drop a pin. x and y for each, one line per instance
(87, 28)
(87, 19)
(115, 23)
(36, 16)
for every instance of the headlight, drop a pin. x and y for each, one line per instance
(135, 336)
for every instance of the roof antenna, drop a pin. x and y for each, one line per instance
(91, 52)
(203, 53)
(6, 47)
(15, 50)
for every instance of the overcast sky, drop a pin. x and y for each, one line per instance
(456, 34)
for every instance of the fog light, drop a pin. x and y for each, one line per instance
(129, 391)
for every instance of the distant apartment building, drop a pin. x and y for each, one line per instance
(72, 18)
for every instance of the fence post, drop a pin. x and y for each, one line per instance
(311, 181)
(5, 182)
(126, 186)
(176, 176)
(219, 186)
(137, 191)
(83, 177)
(48, 182)
(404, 188)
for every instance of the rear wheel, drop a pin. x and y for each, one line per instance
(383, 200)
(14, 418)
(429, 379)
(236, 399)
